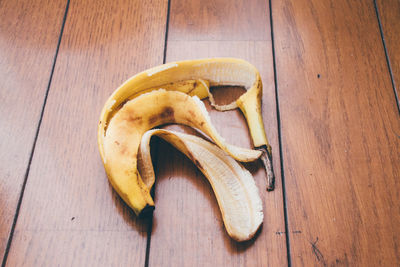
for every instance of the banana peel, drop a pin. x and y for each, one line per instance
(194, 77)
(119, 146)
(234, 187)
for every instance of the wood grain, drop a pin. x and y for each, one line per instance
(29, 32)
(389, 12)
(218, 20)
(340, 134)
(70, 215)
(187, 225)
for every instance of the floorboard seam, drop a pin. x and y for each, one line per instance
(150, 227)
(280, 138)
(4, 262)
(387, 56)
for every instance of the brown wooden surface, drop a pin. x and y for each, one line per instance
(27, 49)
(187, 224)
(338, 118)
(389, 11)
(340, 134)
(70, 215)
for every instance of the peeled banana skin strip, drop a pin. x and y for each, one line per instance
(234, 187)
(119, 146)
(194, 77)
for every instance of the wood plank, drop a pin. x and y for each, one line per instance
(187, 225)
(389, 12)
(70, 215)
(29, 32)
(340, 134)
(219, 21)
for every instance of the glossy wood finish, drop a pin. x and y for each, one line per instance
(218, 20)
(27, 49)
(389, 12)
(187, 225)
(340, 134)
(338, 118)
(70, 215)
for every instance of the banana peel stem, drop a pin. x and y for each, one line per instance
(266, 156)
(266, 159)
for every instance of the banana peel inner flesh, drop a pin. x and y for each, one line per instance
(216, 72)
(194, 77)
(126, 128)
(234, 187)
(140, 105)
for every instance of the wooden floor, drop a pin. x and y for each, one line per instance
(331, 74)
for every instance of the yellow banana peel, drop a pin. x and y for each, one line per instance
(171, 93)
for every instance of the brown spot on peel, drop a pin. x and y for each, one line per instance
(165, 115)
(167, 112)
(122, 104)
(192, 113)
(153, 119)
(136, 120)
(123, 150)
